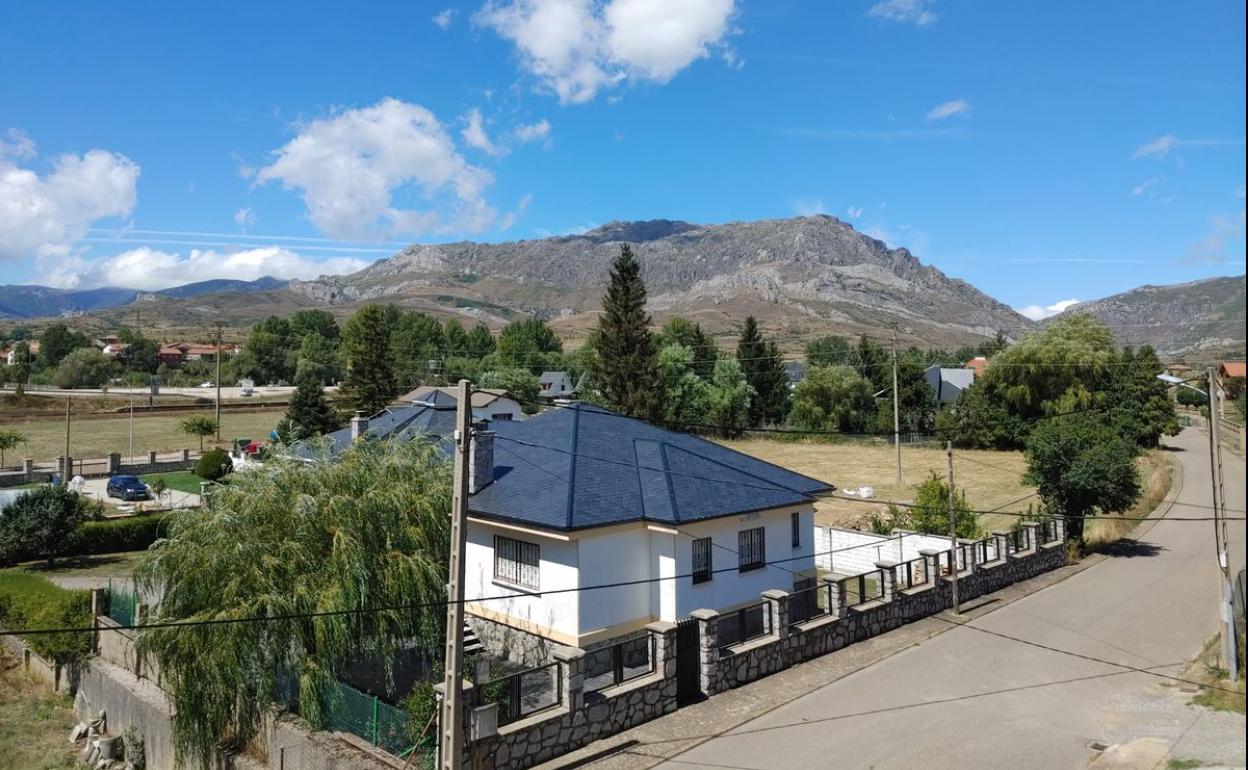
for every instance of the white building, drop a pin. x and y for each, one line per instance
(487, 403)
(581, 497)
(553, 385)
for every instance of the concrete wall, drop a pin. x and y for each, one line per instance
(616, 556)
(56, 677)
(849, 552)
(555, 615)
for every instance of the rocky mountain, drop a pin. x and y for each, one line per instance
(798, 276)
(33, 301)
(1198, 316)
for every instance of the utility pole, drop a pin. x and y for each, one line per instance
(68, 469)
(451, 745)
(896, 411)
(1219, 526)
(953, 536)
(131, 454)
(218, 382)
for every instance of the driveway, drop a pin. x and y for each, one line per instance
(1025, 686)
(95, 488)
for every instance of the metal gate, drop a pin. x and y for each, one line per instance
(688, 662)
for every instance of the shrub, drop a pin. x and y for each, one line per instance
(116, 535)
(37, 523)
(214, 465)
(31, 601)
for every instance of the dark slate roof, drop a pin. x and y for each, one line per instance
(583, 466)
(403, 422)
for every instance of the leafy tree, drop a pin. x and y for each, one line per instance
(415, 340)
(214, 465)
(308, 414)
(200, 425)
(829, 351)
(318, 323)
(730, 396)
(522, 343)
(916, 405)
(38, 523)
(681, 331)
(370, 382)
(455, 339)
(763, 367)
(626, 372)
(1189, 397)
(1135, 402)
(318, 359)
(269, 354)
(1080, 465)
(319, 550)
(480, 341)
(875, 362)
(520, 382)
(10, 439)
(58, 341)
(84, 368)
(930, 513)
(833, 398)
(19, 372)
(141, 352)
(686, 396)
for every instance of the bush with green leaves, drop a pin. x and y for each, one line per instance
(28, 600)
(37, 523)
(930, 512)
(214, 465)
(116, 535)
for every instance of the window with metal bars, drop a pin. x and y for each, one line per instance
(702, 569)
(795, 527)
(516, 562)
(751, 549)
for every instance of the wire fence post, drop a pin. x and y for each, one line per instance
(374, 730)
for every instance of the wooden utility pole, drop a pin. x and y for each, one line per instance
(1229, 649)
(896, 411)
(953, 535)
(218, 382)
(67, 470)
(452, 723)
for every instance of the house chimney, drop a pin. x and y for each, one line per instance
(359, 425)
(480, 458)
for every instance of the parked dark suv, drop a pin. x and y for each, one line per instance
(127, 488)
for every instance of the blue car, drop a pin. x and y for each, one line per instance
(127, 488)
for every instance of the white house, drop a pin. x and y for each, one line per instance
(552, 385)
(579, 498)
(487, 403)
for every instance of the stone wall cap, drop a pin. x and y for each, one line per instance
(774, 593)
(928, 552)
(704, 614)
(565, 653)
(1031, 523)
(661, 627)
(885, 564)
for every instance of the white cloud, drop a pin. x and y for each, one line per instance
(244, 218)
(349, 168)
(509, 219)
(1041, 312)
(150, 269)
(533, 132)
(909, 11)
(854, 212)
(949, 109)
(475, 135)
(1159, 147)
(444, 17)
(42, 215)
(1146, 186)
(1224, 231)
(578, 47)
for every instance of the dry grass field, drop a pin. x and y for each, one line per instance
(96, 436)
(34, 723)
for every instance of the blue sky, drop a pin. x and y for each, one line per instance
(1041, 151)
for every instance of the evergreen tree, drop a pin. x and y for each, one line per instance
(480, 342)
(625, 370)
(680, 331)
(454, 339)
(308, 414)
(764, 371)
(370, 383)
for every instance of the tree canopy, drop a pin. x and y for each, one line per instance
(38, 522)
(626, 372)
(833, 398)
(764, 370)
(370, 383)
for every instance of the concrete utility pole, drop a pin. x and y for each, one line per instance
(67, 470)
(452, 722)
(896, 411)
(953, 535)
(218, 382)
(1219, 526)
(131, 454)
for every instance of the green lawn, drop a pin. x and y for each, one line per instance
(118, 565)
(180, 481)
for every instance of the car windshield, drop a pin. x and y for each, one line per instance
(128, 480)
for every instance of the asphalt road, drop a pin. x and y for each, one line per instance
(1018, 688)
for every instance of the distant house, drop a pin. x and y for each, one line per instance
(948, 383)
(114, 349)
(976, 365)
(106, 340)
(399, 421)
(487, 403)
(795, 371)
(552, 385)
(170, 356)
(175, 354)
(1231, 370)
(10, 354)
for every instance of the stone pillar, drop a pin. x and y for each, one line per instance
(664, 635)
(1059, 523)
(571, 662)
(1032, 528)
(61, 467)
(888, 574)
(151, 457)
(468, 702)
(836, 596)
(99, 605)
(114, 463)
(484, 722)
(28, 468)
(931, 562)
(186, 455)
(708, 636)
(1002, 538)
(777, 612)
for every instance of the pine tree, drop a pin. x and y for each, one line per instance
(308, 414)
(370, 383)
(764, 371)
(626, 370)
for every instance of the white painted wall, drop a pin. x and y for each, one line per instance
(850, 552)
(614, 555)
(503, 406)
(559, 569)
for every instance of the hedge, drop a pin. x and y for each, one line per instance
(116, 535)
(32, 601)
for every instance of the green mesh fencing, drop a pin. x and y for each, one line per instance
(122, 604)
(385, 726)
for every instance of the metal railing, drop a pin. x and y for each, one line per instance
(809, 603)
(1048, 530)
(525, 692)
(743, 625)
(912, 573)
(985, 550)
(123, 604)
(945, 561)
(867, 587)
(1018, 540)
(614, 665)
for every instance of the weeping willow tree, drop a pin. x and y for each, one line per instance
(315, 550)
